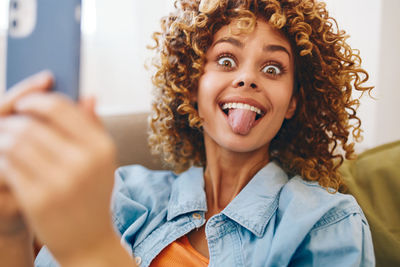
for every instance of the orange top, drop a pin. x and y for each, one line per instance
(180, 253)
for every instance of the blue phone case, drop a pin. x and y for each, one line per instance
(44, 34)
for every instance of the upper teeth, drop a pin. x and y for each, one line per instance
(241, 106)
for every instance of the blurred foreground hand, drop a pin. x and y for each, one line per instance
(56, 170)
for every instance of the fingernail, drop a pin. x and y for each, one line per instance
(44, 76)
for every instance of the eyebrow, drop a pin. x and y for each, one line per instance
(230, 40)
(273, 48)
(238, 43)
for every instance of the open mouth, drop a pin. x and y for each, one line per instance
(225, 107)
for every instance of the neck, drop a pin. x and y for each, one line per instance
(228, 172)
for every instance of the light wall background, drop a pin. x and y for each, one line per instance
(116, 33)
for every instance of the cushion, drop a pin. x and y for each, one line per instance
(374, 180)
(129, 132)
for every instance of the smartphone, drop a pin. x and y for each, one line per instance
(44, 34)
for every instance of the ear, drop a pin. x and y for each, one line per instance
(291, 108)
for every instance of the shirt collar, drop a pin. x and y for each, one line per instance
(187, 193)
(252, 208)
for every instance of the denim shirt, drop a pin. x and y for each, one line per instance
(273, 221)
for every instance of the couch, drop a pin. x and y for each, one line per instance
(373, 179)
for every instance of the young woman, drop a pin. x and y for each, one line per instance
(253, 111)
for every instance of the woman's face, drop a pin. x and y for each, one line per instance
(246, 90)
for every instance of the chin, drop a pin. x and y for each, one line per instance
(243, 144)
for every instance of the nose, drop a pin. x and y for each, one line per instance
(242, 84)
(245, 79)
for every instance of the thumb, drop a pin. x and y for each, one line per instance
(88, 105)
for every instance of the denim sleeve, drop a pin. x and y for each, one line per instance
(139, 201)
(126, 210)
(347, 242)
(129, 215)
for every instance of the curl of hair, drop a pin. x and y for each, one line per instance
(327, 69)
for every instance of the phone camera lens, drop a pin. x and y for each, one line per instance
(14, 23)
(14, 5)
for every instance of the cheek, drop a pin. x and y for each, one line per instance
(210, 84)
(279, 96)
(284, 90)
(202, 91)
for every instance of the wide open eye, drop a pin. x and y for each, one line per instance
(226, 62)
(272, 70)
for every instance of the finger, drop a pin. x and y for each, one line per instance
(31, 144)
(12, 221)
(3, 185)
(89, 106)
(8, 205)
(37, 83)
(14, 177)
(25, 191)
(26, 171)
(60, 113)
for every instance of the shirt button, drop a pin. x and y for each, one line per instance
(138, 260)
(196, 216)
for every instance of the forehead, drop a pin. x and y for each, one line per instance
(263, 32)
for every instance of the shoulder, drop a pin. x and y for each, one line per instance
(313, 200)
(136, 179)
(137, 183)
(330, 227)
(140, 195)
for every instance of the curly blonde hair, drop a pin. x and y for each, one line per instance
(326, 71)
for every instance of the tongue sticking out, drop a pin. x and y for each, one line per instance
(241, 120)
